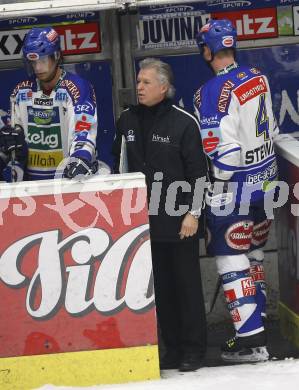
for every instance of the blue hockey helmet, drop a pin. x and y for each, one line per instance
(40, 42)
(217, 35)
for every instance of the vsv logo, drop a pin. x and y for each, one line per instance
(103, 275)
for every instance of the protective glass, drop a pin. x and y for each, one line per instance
(36, 65)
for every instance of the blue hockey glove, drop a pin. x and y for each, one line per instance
(79, 168)
(13, 172)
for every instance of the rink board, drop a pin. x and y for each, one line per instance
(80, 368)
(287, 230)
(289, 324)
(76, 283)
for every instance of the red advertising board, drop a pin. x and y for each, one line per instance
(80, 38)
(75, 267)
(252, 23)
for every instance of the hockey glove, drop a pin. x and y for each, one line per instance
(79, 168)
(13, 172)
(11, 138)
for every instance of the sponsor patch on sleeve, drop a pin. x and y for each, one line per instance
(250, 89)
(210, 139)
(197, 98)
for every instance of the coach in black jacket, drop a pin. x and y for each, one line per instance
(163, 142)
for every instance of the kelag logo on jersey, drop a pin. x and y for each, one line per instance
(44, 139)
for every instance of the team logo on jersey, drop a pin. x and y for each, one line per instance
(248, 287)
(210, 139)
(61, 96)
(23, 85)
(83, 124)
(270, 172)
(43, 160)
(43, 102)
(250, 89)
(255, 71)
(44, 139)
(209, 120)
(228, 41)
(242, 75)
(197, 98)
(23, 95)
(86, 107)
(131, 136)
(72, 89)
(238, 236)
(41, 117)
(261, 232)
(158, 138)
(225, 95)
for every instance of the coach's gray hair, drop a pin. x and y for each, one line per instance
(164, 73)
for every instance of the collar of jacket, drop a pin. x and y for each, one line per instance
(227, 69)
(162, 107)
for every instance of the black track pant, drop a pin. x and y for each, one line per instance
(179, 297)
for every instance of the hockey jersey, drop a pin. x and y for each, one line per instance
(237, 128)
(56, 125)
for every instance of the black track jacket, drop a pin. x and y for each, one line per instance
(164, 139)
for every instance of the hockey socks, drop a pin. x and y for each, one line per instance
(240, 294)
(257, 272)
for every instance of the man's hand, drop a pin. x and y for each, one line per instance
(11, 138)
(78, 168)
(189, 226)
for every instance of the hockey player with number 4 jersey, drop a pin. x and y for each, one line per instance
(56, 112)
(237, 128)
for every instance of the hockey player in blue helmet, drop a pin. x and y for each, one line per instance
(234, 109)
(42, 54)
(56, 110)
(216, 35)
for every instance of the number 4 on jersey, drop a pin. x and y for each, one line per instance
(262, 119)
